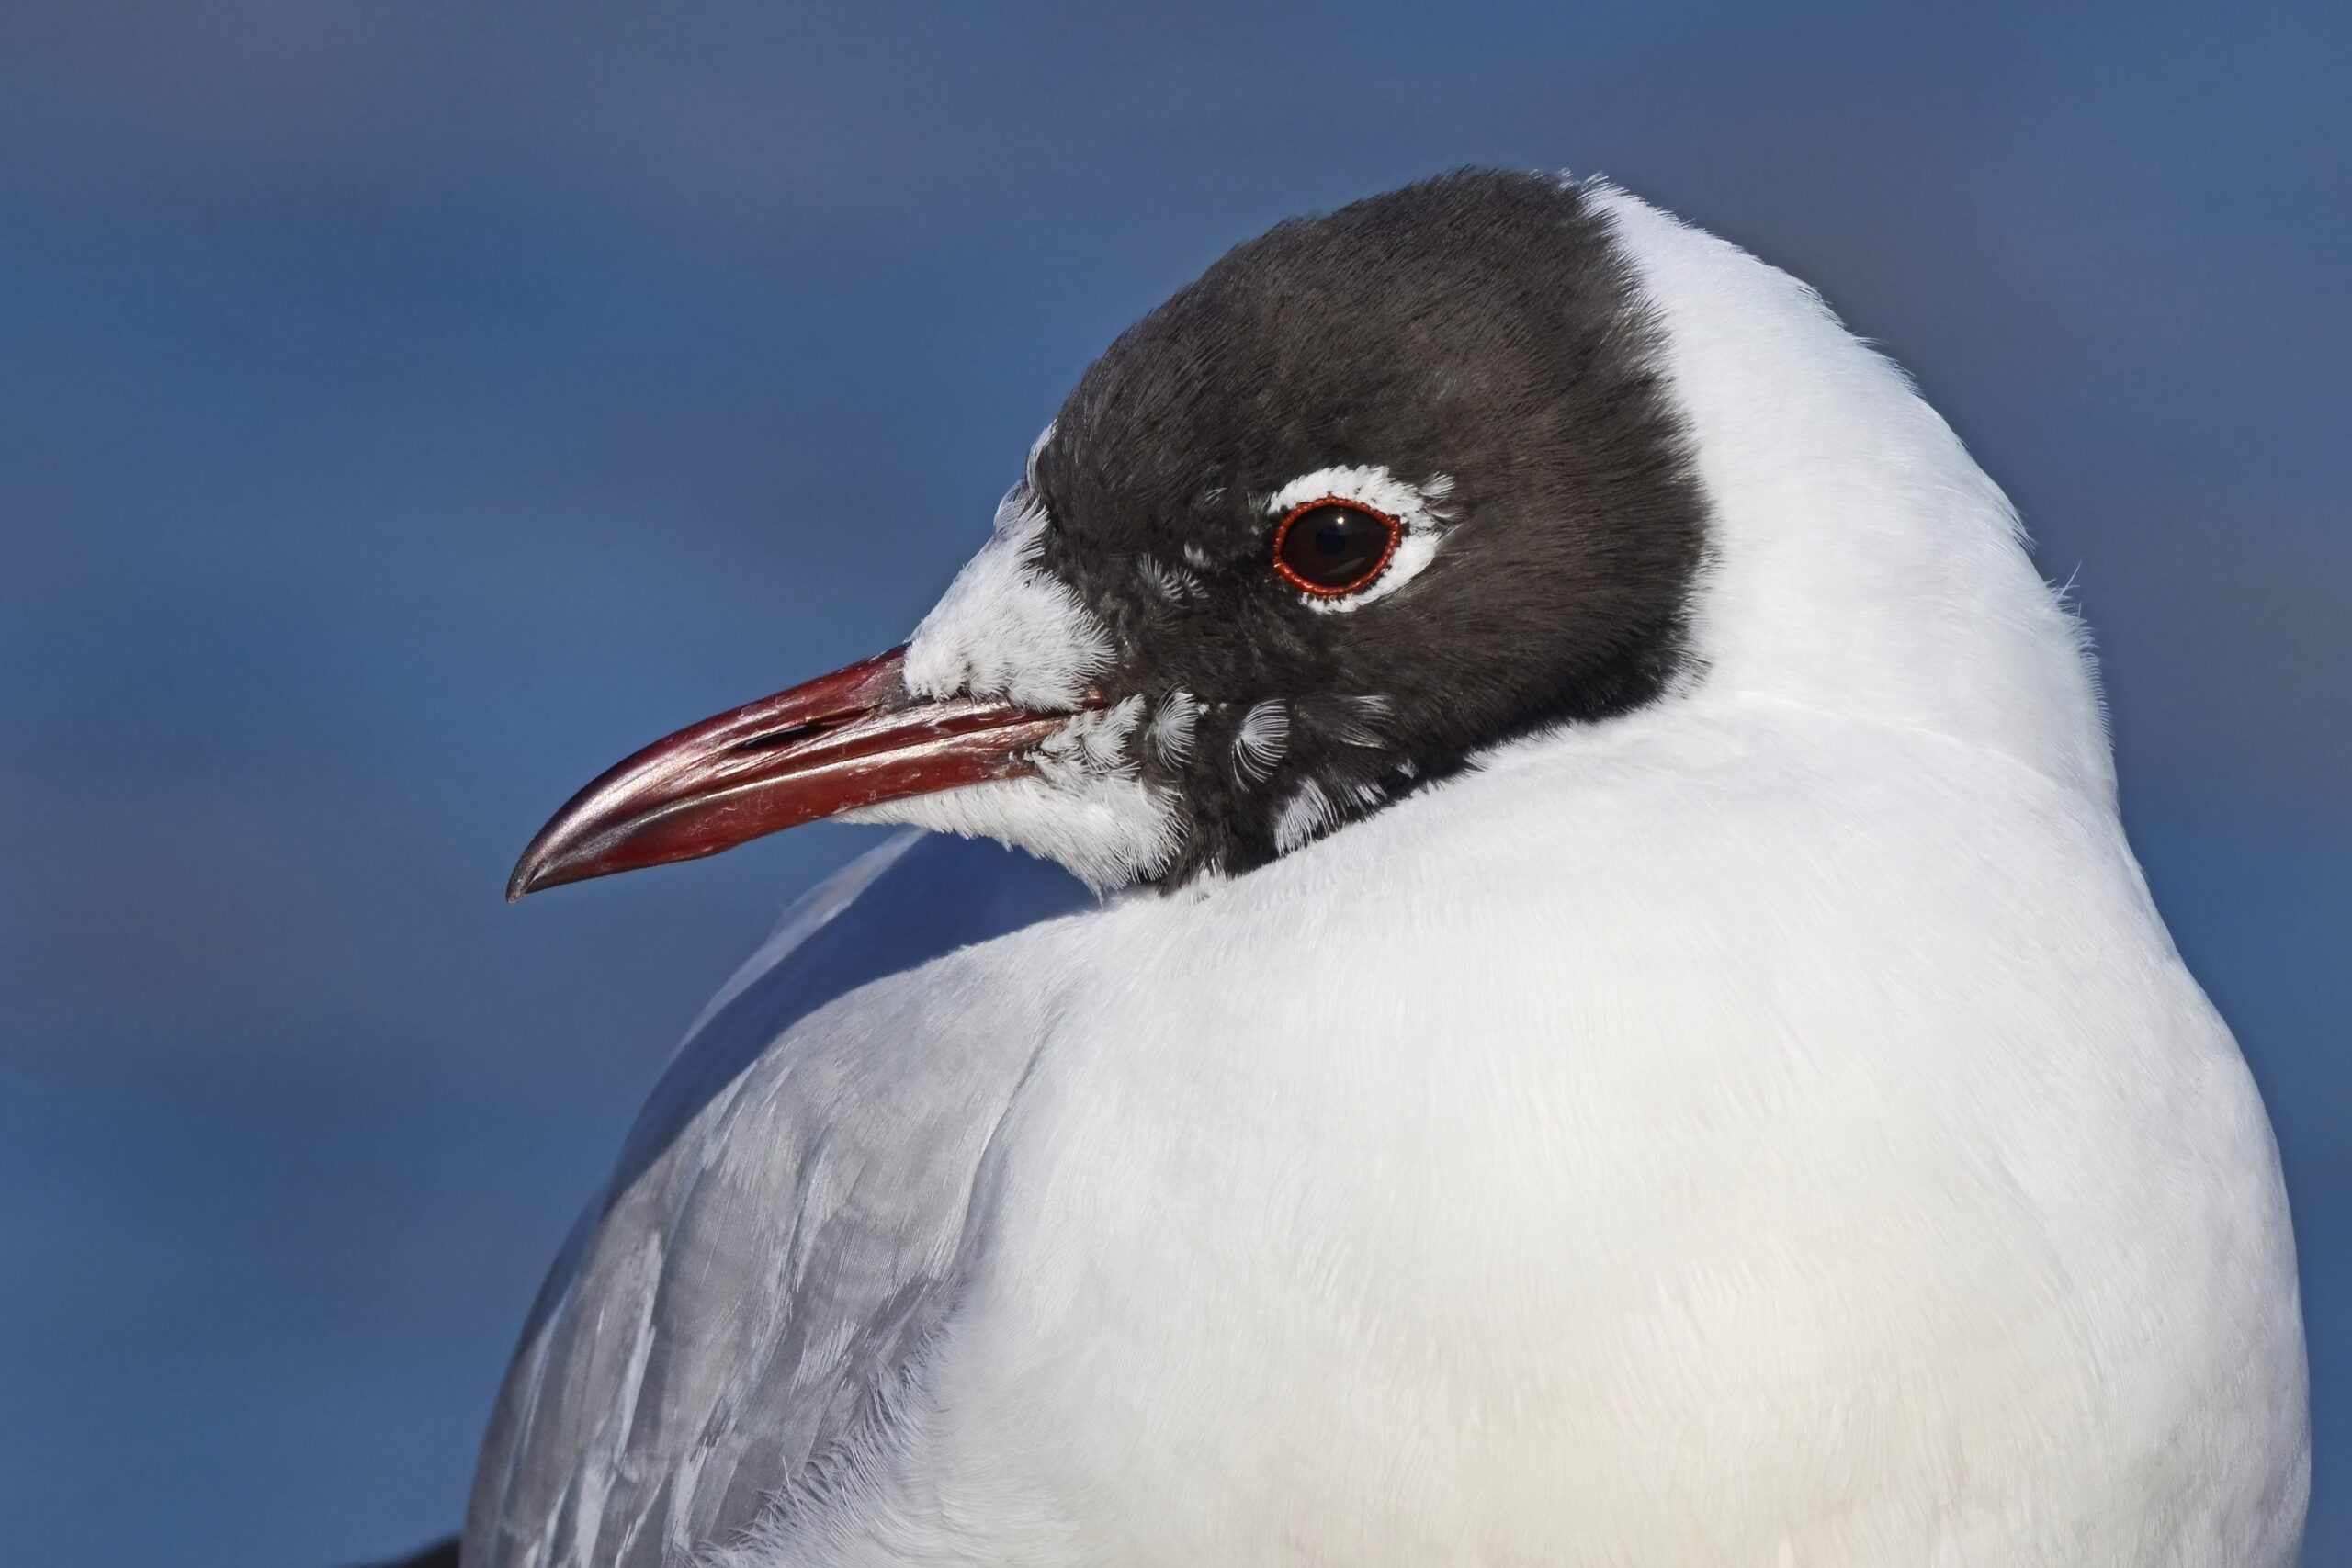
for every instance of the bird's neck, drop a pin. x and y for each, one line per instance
(1860, 562)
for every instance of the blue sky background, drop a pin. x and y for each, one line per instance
(406, 409)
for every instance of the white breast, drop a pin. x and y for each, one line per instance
(1773, 1128)
(1847, 1166)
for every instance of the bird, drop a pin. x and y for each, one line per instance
(1510, 943)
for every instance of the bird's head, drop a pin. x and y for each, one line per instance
(1380, 491)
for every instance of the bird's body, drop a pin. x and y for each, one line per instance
(1768, 1123)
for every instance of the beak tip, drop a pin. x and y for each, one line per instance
(531, 873)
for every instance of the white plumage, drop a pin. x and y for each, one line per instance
(1772, 1126)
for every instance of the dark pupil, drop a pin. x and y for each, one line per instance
(1333, 546)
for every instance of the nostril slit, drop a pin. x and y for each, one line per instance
(778, 739)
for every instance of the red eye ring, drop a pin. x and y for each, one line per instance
(1362, 580)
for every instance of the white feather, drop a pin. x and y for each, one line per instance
(1260, 740)
(1006, 629)
(1860, 562)
(1175, 585)
(1086, 808)
(1170, 736)
(1304, 817)
(1109, 830)
(1644, 1171)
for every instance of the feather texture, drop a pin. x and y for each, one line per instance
(1752, 1114)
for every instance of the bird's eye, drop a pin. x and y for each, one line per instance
(1331, 546)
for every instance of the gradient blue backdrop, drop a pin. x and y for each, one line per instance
(405, 408)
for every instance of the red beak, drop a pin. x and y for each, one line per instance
(843, 740)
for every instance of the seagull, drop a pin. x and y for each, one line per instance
(1576, 994)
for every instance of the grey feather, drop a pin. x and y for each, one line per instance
(782, 1232)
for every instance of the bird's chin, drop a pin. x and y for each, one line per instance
(1111, 831)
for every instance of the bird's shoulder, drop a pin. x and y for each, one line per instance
(781, 1232)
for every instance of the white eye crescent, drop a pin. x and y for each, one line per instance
(1349, 535)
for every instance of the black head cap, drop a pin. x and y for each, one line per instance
(1477, 345)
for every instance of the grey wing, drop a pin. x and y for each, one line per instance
(780, 1233)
